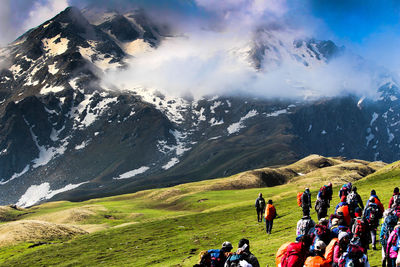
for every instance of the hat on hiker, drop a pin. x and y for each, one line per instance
(372, 199)
(396, 190)
(335, 221)
(373, 192)
(227, 245)
(323, 221)
(270, 201)
(319, 245)
(342, 235)
(330, 184)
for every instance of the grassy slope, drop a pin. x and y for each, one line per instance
(172, 226)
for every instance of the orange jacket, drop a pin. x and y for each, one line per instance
(270, 212)
(346, 214)
(316, 261)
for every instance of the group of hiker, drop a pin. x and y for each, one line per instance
(267, 211)
(344, 238)
(225, 258)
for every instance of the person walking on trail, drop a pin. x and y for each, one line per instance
(270, 215)
(394, 201)
(392, 247)
(341, 247)
(360, 228)
(304, 225)
(377, 201)
(354, 200)
(243, 256)
(372, 214)
(260, 207)
(318, 259)
(306, 202)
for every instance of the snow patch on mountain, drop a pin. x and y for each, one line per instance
(132, 173)
(277, 113)
(170, 163)
(15, 175)
(237, 126)
(51, 89)
(374, 117)
(214, 122)
(56, 45)
(37, 193)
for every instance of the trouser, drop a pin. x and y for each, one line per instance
(392, 262)
(384, 259)
(306, 211)
(373, 237)
(268, 225)
(260, 214)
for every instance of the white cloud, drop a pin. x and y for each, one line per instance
(42, 12)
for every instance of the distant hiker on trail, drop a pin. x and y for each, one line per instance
(394, 201)
(304, 225)
(387, 227)
(345, 190)
(296, 253)
(325, 192)
(372, 214)
(242, 256)
(306, 202)
(321, 207)
(270, 215)
(260, 207)
(354, 200)
(318, 259)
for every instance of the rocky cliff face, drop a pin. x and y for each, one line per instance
(64, 135)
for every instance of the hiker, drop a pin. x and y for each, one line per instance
(205, 259)
(297, 252)
(260, 207)
(304, 225)
(321, 232)
(321, 207)
(342, 209)
(394, 201)
(270, 215)
(341, 247)
(354, 256)
(372, 215)
(325, 192)
(354, 200)
(242, 256)
(392, 247)
(387, 227)
(360, 228)
(377, 201)
(345, 190)
(306, 202)
(318, 259)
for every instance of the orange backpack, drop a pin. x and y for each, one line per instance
(281, 251)
(329, 249)
(299, 195)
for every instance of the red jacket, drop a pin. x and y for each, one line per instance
(270, 212)
(295, 255)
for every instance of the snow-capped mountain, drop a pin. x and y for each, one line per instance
(64, 135)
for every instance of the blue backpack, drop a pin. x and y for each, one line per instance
(387, 227)
(217, 257)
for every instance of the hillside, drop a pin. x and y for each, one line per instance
(168, 227)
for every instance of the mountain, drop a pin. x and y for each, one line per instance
(66, 135)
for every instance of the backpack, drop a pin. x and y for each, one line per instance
(387, 227)
(236, 260)
(396, 201)
(352, 199)
(330, 248)
(281, 251)
(324, 193)
(354, 254)
(288, 254)
(217, 257)
(305, 226)
(299, 195)
(359, 228)
(372, 214)
(261, 203)
(343, 191)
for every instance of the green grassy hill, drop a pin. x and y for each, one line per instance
(170, 226)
